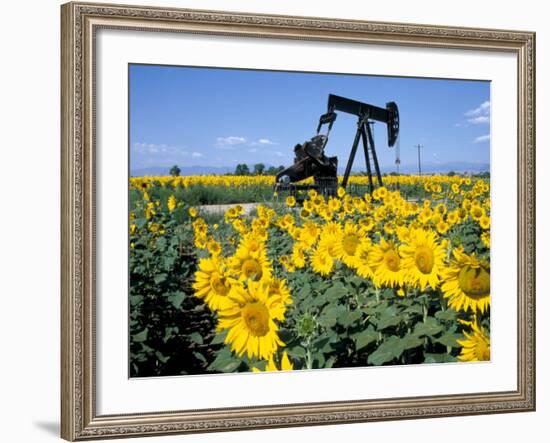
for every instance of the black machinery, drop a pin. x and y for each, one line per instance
(310, 159)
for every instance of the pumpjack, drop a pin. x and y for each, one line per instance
(310, 159)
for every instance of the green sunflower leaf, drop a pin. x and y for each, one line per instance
(365, 338)
(449, 339)
(141, 336)
(390, 349)
(430, 327)
(438, 358)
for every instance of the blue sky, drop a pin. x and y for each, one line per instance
(221, 117)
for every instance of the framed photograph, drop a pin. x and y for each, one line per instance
(282, 221)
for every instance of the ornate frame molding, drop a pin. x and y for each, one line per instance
(79, 420)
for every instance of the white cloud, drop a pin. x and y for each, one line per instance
(482, 119)
(196, 155)
(252, 150)
(279, 154)
(150, 147)
(482, 138)
(482, 109)
(479, 115)
(262, 142)
(228, 142)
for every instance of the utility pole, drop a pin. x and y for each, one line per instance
(419, 164)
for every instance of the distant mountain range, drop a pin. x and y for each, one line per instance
(432, 168)
(428, 168)
(185, 170)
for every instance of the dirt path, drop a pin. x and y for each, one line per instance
(216, 209)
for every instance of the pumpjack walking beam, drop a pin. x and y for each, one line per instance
(366, 115)
(311, 161)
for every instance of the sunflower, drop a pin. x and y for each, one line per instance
(382, 192)
(467, 283)
(212, 282)
(230, 213)
(330, 243)
(252, 245)
(286, 365)
(403, 233)
(309, 233)
(346, 248)
(171, 203)
(290, 201)
(362, 259)
(250, 266)
(441, 209)
(476, 346)
(477, 212)
(287, 263)
(485, 222)
(385, 261)
(366, 224)
(298, 256)
(278, 288)
(341, 192)
(425, 215)
(452, 217)
(249, 317)
(322, 262)
(213, 247)
(200, 241)
(240, 226)
(423, 258)
(331, 228)
(334, 204)
(442, 227)
(239, 209)
(486, 239)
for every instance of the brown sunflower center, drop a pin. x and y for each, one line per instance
(254, 245)
(350, 243)
(217, 283)
(424, 259)
(392, 260)
(256, 318)
(252, 269)
(474, 282)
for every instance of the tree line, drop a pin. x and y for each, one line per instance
(257, 169)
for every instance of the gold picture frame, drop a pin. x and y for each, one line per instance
(80, 21)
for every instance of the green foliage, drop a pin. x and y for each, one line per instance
(200, 194)
(170, 330)
(242, 169)
(341, 321)
(259, 169)
(175, 171)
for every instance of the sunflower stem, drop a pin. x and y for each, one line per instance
(424, 318)
(309, 358)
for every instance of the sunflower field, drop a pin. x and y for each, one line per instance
(399, 276)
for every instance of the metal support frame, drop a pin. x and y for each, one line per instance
(364, 133)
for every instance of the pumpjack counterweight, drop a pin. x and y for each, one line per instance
(310, 159)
